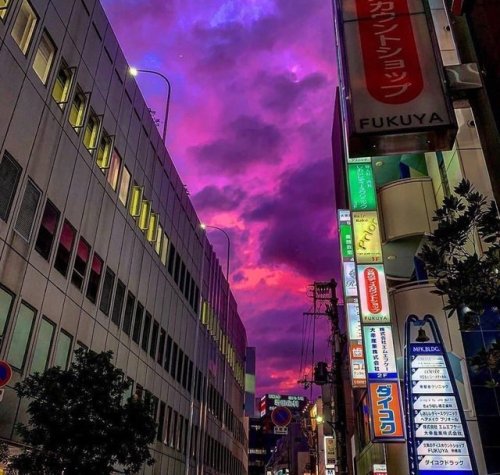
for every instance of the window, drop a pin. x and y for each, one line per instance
(44, 57)
(135, 204)
(4, 5)
(94, 278)
(47, 231)
(177, 268)
(6, 299)
(158, 239)
(161, 421)
(42, 346)
(129, 313)
(104, 151)
(116, 316)
(154, 339)
(168, 432)
(180, 361)
(24, 26)
(168, 353)
(161, 346)
(185, 371)
(114, 169)
(175, 438)
(124, 186)
(27, 211)
(190, 377)
(10, 172)
(164, 250)
(107, 291)
(182, 276)
(136, 334)
(81, 261)
(62, 84)
(145, 333)
(173, 367)
(65, 248)
(21, 336)
(171, 259)
(91, 131)
(77, 111)
(63, 350)
(187, 285)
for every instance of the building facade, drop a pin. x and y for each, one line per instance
(401, 191)
(100, 246)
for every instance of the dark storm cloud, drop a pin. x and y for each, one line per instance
(281, 93)
(247, 141)
(213, 198)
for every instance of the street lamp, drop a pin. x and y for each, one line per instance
(134, 72)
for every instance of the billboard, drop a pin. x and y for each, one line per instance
(386, 421)
(362, 191)
(367, 244)
(373, 294)
(395, 95)
(380, 356)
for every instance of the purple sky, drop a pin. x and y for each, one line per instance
(249, 130)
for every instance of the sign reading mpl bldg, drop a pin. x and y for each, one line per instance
(394, 84)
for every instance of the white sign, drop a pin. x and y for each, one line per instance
(430, 374)
(435, 402)
(349, 274)
(432, 387)
(437, 416)
(445, 463)
(379, 346)
(438, 431)
(281, 430)
(443, 447)
(431, 361)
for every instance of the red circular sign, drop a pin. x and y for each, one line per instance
(281, 416)
(5, 373)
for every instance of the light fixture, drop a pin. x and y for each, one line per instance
(133, 71)
(203, 226)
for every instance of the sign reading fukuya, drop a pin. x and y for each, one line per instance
(367, 237)
(373, 294)
(393, 76)
(380, 357)
(387, 418)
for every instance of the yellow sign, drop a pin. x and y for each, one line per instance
(367, 244)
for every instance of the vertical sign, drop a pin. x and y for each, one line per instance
(367, 243)
(362, 193)
(440, 443)
(330, 451)
(373, 294)
(387, 421)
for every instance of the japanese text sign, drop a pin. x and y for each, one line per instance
(387, 419)
(367, 237)
(373, 294)
(363, 196)
(380, 357)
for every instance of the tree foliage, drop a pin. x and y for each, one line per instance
(463, 272)
(79, 423)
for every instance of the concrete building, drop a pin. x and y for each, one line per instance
(100, 246)
(408, 188)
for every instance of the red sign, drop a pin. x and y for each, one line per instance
(386, 413)
(5, 373)
(372, 283)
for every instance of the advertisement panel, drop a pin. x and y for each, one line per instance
(373, 294)
(330, 451)
(349, 276)
(346, 244)
(353, 320)
(379, 354)
(393, 77)
(362, 191)
(387, 419)
(358, 372)
(367, 244)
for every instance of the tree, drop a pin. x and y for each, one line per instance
(79, 423)
(462, 272)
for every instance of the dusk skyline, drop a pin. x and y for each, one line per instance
(249, 132)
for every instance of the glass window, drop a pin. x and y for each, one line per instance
(161, 346)
(158, 240)
(24, 26)
(185, 371)
(6, 299)
(4, 5)
(146, 332)
(81, 261)
(164, 250)
(171, 259)
(168, 353)
(154, 339)
(104, 151)
(47, 230)
(190, 376)
(107, 291)
(94, 278)
(136, 334)
(135, 204)
(173, 366)
(91, 131)
(114, 169)
(124, 186)
(63, 350)
(42, 346)
(177, 268)
(65, 248)
(168, 431)
(116, 316)
(27, 211)
(44, 57)
(10, 172)
(161, 421)
(77, 111)
(180, 361)
(62, 84)
(21, 336)
(129, 313)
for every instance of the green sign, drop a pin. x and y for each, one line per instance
(362, 187)
(346, 240)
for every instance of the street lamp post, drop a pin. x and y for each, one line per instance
(134, 72)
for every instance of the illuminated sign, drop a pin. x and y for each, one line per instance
(358, 373)
(345, 230)
(392, 75)
(349, 276)
(380, 357)
(367, 237)
(330, 451)
(354, 320)
(379, 469)
(385, 405)
(362, 192)
(373, 294)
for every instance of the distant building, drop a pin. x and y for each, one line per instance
(100, 246)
